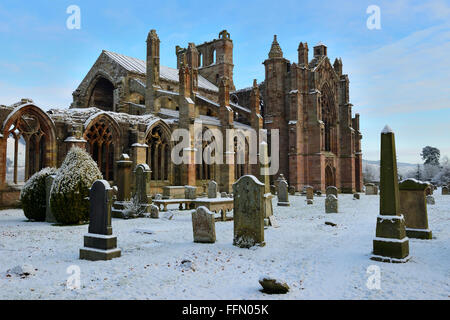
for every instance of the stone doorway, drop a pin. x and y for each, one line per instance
(330, 180)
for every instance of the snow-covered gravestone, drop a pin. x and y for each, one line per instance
(190, 192)
(283, 196)
(391, 243)
(331, 204)
(292, 190)
(212, 189)
(99, 243)
(203, 225)
(248, 212)
(142, 174)
(371, 189)
(309, 193)
(445, 191)
(413, 206)
(332, 190)
(49, 217)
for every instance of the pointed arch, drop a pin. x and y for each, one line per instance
(28, 134)
(100, 92)
(157, 138)
(103, 135)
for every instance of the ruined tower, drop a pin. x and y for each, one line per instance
(153, 71)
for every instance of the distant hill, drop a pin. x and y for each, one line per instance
(399, 164)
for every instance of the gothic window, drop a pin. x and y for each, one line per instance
(203, 170)
(158, 154)
(25, 151)
(329, 119)
(101, 146)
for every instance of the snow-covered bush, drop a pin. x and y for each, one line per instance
(133, 208)
(70, 190)
(32, 195)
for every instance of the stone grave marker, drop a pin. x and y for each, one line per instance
(212, 189)
(283, 196)
(332, 190)
(99, 243)
(413, 206)
(391, 243)
(331, 204)
(203, 225)
(309, 193)
(248, 212)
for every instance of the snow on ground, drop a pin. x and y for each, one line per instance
(316, 260)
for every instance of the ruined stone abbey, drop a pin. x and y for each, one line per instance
(125, 105)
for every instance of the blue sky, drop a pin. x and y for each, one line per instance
(399, 75)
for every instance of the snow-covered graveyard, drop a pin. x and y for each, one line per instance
(160, 260)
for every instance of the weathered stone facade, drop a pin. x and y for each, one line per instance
(130, 106)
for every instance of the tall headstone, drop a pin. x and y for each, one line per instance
(283, 196)
(49, 217)
(332, 190)
(212, 189)
(248, 212)
(391, 243)
(309, 193)
(203, 225)
(265, 178)
(99, 243)
(123, 184)
(413, 205)
(331, 204)
(142, 174)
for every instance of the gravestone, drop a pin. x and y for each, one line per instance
(332, 190)
(49, 217)
(265, 179)
(445, 190)
(142, 174)
(292, 191)
(212, 189)
(203, 225)
(154, 212)
(309, 193)
(190, 192)
(318, 193)
(331, 204)
(356, 196)
(99, 243)
(371, 189)
(413, 206)
(223, 195)
(124, 185)
(283, 196)
(391, 243)
(429, 190)
(309, 201)
(430, 200)
(248, 212)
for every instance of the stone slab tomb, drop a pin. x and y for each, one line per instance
(174, 192)
(413, 206)
(203, 225)
(99, 243)
(248, 212)
(391, 243)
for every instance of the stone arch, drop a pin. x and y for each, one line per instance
(33, 126)
(103, 136)
(100, 92)
(329, 116)
(204, 171)
(158, 158)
